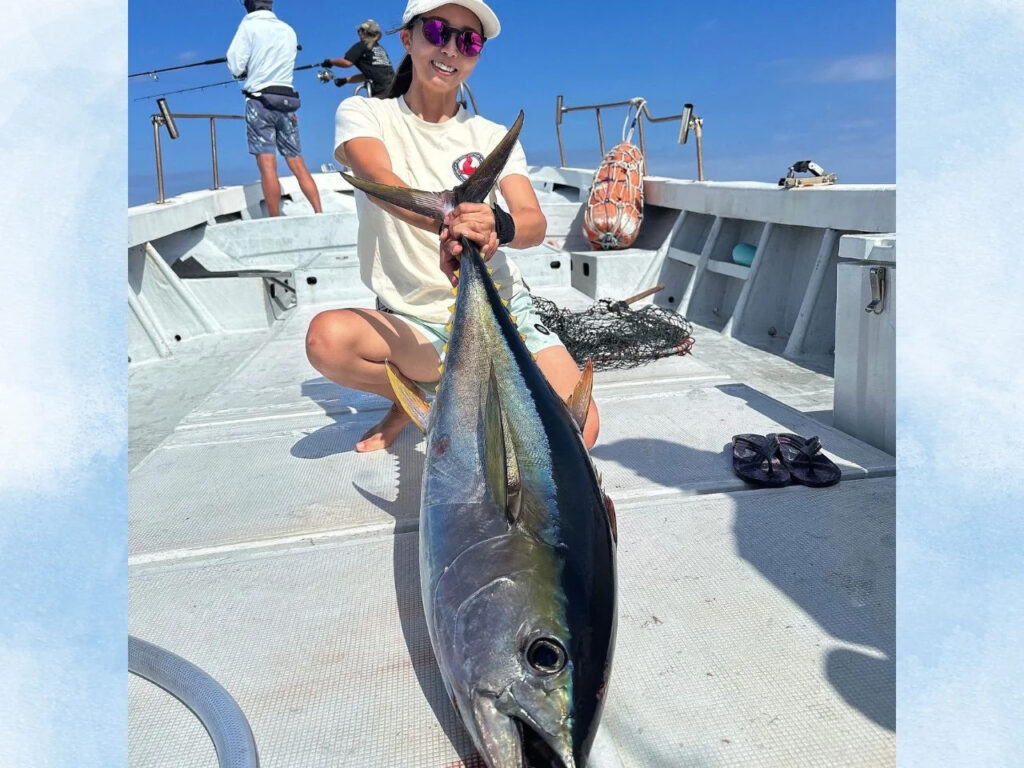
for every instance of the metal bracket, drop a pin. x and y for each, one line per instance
(877, 277)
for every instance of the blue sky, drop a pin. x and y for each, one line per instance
(774, 82)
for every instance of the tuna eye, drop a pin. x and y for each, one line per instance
(546, 655)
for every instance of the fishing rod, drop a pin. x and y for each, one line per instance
(212, 85)
(153, 72)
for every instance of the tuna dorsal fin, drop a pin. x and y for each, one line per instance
(501, 465)
(432, 204)
(409, 397)
(478, 186)
(579, 400)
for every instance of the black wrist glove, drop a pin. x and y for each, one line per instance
(504, 225)
(326, 63)
(340, 81)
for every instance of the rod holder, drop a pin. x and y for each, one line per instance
(168, 118)
(684, 124)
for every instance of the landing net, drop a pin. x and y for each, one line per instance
(613, 335)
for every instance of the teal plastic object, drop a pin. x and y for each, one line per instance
(743, 253)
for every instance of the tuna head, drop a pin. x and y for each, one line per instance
(527, 675)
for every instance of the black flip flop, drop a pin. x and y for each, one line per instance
(755, 458)
(805, 461)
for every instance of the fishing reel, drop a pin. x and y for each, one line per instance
(325, 76)
(818, 175)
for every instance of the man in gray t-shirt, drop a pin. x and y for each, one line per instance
(369, 57)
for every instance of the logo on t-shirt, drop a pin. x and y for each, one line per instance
(466, 165)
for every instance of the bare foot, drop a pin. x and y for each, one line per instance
(385, 432)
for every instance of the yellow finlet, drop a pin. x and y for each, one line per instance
(409, 397)
(444, 348)
(449, 327)
(451, 308)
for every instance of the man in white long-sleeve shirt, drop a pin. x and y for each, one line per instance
(263, 51)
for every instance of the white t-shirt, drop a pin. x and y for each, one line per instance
(397, 261)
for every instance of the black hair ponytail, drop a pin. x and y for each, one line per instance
(402, 79)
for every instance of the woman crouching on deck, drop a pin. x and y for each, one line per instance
(420, 137)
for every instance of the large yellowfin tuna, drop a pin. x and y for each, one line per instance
(517, 538)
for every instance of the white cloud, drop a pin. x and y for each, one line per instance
(853, 69)
(960, 211)
(25, 717)
(60, 704)
(61, 392)
(961, 367)
(187, 56)
(964, 675)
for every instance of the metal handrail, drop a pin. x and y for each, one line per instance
(464, 89)
(167, 118)
(687, 121)
(461, 98)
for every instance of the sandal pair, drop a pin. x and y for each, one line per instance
(774, 460)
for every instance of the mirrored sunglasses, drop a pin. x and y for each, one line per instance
(437, 32)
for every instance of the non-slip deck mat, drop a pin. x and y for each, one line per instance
(755, 629)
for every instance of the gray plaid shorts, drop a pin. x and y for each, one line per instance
(267, 128)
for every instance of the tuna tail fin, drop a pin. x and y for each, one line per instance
(436, 204)
(476, 188)
(432, 204)
(409, 398)
(500, 463)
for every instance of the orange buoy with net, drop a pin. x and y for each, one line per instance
(616, 203)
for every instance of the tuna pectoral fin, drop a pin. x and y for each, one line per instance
(409, 397)
(579, 400)
(432, 204)
(501, 465)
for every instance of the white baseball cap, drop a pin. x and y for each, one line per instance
(491, 26)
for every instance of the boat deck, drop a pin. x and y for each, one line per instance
(756, 626)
